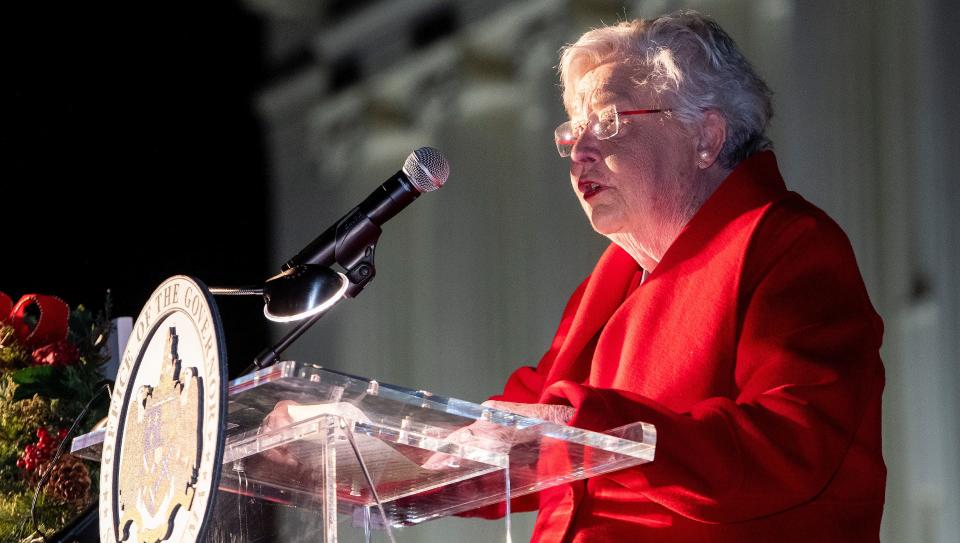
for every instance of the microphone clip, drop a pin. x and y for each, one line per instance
(349, 244)
(355, 243)
(362, 272)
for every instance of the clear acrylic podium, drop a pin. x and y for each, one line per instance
(349, 462)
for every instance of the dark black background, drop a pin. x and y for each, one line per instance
(132, 152)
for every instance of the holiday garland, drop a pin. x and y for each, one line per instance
(51, 360)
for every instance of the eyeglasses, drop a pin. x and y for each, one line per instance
(604, 124)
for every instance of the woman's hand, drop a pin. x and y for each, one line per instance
(557, 414)
(278, 463)
(485, 434)
(279, 417)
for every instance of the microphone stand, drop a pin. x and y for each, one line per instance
(270, 355)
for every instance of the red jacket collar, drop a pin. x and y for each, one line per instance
(755, 182)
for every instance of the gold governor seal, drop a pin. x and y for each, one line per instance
(160, 461)
(164, 438)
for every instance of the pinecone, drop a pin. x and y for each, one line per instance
(70, 480)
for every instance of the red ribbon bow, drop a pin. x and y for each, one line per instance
(51, 326)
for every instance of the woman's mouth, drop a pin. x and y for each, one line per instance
(589, 189)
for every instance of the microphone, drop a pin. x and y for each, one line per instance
(350, 239)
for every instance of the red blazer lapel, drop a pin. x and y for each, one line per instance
(603, 294)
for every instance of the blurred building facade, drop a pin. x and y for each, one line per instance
(472, 279)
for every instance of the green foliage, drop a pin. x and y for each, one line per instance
(49, 396)
(50, 381)
(12, 354)
(15, 516)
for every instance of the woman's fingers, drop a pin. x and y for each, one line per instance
(557, 414)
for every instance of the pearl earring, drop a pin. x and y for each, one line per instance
(703, 158)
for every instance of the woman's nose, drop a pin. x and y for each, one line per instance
(586, 148)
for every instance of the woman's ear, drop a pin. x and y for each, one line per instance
(713, 134)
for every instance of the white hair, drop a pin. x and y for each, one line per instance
(692, 62)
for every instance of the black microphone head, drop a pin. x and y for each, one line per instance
(427, 169)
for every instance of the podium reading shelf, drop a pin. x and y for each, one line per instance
(351, 461)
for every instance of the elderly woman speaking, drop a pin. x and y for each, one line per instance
(728, 311)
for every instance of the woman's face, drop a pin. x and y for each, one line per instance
(641, 182)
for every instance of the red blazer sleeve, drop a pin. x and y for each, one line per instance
(806, 370)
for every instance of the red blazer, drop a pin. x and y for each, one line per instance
(753, 349)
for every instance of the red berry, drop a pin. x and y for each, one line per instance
(41, 432)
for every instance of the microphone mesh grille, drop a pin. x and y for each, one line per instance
(427, 169)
